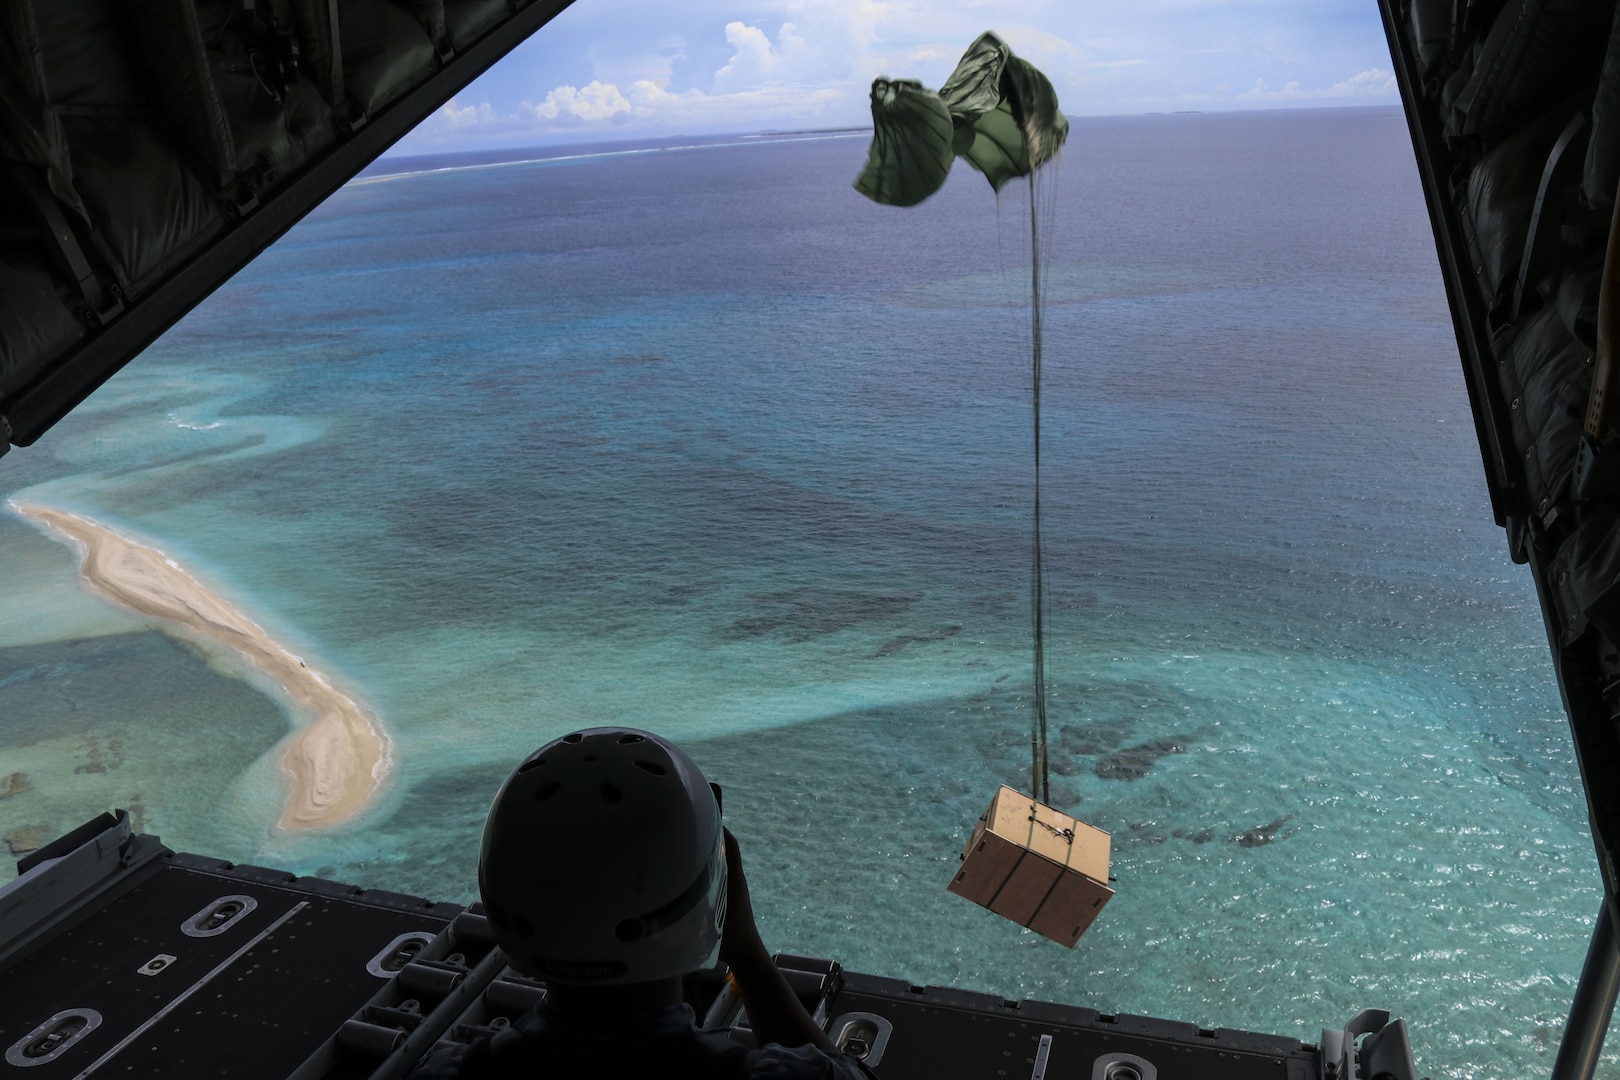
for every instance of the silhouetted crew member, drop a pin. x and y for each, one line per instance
(605, 872)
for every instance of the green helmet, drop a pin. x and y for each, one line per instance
(603, 861)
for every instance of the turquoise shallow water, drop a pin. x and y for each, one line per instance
(699, 440)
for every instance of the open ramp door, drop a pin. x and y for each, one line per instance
(152, 147)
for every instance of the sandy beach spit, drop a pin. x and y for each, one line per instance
(336, 760)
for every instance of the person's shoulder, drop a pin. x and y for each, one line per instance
(774, 1062)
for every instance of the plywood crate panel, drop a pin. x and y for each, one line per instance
(1037, 866)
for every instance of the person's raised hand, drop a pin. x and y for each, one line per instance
(774, 1011)
(739, 940)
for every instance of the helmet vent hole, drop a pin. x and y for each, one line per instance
(532, 763)
(631, 737)
(629, 930)
(574, 737)
(651, 766)
(546, 790)
(611, 792)
(522, 926)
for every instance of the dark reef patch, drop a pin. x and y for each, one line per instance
(28, 838)
(993, 604)
(1135, 762)
(113, 691)
(1263, 834)
(1063, 798)
(894, 645)
(804, 613)
(1148, 832)
(1091, 740)
(137, 812)
(681, 595)
(101, 755)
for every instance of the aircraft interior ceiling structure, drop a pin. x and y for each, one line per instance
(153, 147)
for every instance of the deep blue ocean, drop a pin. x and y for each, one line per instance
(698, 439)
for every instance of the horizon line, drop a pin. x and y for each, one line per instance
(585, 137)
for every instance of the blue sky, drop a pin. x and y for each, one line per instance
(616, 69)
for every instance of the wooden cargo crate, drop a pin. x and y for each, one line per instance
(1037, 866)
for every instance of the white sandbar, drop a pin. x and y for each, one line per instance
(336, 760)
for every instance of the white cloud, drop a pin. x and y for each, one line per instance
(641, 105)
(1373, 83)
(459, 116)
(809, 63)
(756, 62)
(1038, 44)
(1369, 84)
(1261, 92)
(930, 54)
(597, 102)
(765, 82)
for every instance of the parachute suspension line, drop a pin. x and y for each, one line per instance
(916, 134)
(1039, 777)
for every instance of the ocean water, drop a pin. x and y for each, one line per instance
(697, 439)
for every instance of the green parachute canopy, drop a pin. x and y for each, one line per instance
(996, 111)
